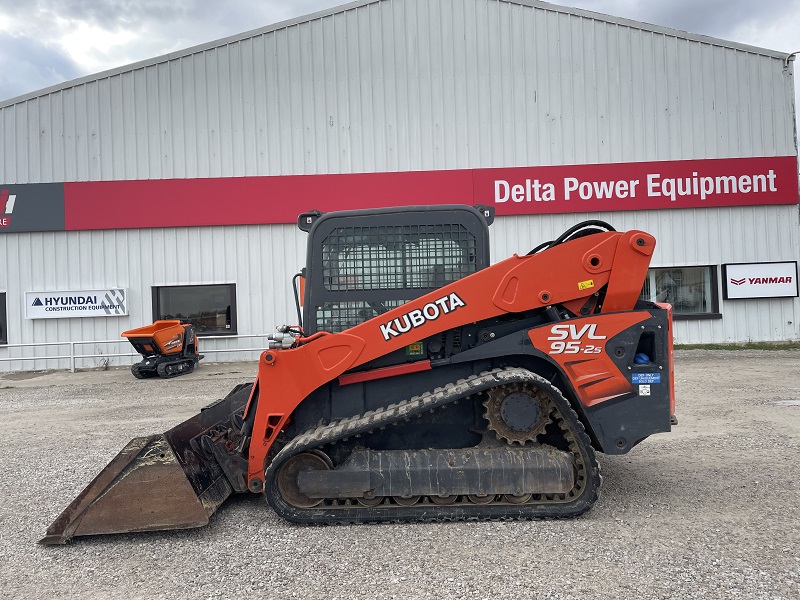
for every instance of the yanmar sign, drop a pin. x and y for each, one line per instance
(760, 280)
(85, 303)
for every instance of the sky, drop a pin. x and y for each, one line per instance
(46, 42)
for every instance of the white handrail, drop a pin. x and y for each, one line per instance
(73, 357)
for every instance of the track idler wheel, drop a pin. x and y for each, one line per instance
(410, 501)
(287, 477)
(443, 500)
(514, 499)
(481, 498)
(374, 501)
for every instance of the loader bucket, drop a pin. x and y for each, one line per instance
(154, 483)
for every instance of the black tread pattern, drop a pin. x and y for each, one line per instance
(169, 370)
(142, 374)
(581, 499)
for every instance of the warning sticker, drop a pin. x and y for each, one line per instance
(415, 349)
(646, 378)
(644, 390)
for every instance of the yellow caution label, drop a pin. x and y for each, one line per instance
(585, 285)
(415, 349)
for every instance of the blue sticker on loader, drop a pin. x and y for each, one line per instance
(646, 378)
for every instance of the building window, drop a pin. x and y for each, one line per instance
(210, 308)
(692, 291)
(3, 319)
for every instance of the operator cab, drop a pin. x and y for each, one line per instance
(362, 263)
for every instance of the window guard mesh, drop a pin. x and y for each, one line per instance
(388, 258)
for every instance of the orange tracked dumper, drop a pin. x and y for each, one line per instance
(169, 349)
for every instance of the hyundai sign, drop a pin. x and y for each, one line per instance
(760, 280)
(84, 303)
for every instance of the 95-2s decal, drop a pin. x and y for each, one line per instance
(571, 339)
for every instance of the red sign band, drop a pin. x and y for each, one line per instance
(512, 191)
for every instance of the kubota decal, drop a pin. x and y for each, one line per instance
(419, 316)
(576, 335)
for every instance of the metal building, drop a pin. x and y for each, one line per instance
(174, 182)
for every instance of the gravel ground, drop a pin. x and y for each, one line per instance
(707, 511)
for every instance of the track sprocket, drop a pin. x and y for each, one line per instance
(517, 413)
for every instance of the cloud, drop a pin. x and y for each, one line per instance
(108, 14)
(27, 64)
(45, 42)
(733, 20)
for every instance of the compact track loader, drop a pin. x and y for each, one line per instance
(421, 384)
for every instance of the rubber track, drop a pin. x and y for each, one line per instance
(164, 372)
(547, 507)
(139, 374)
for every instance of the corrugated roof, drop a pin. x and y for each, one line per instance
(360, 3)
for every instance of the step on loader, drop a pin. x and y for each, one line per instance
(421, 383)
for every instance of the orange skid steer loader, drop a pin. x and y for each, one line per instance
(421, 383)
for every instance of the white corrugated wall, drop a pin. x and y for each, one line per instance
(398, 85)
(407, 85)
(259, 259)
